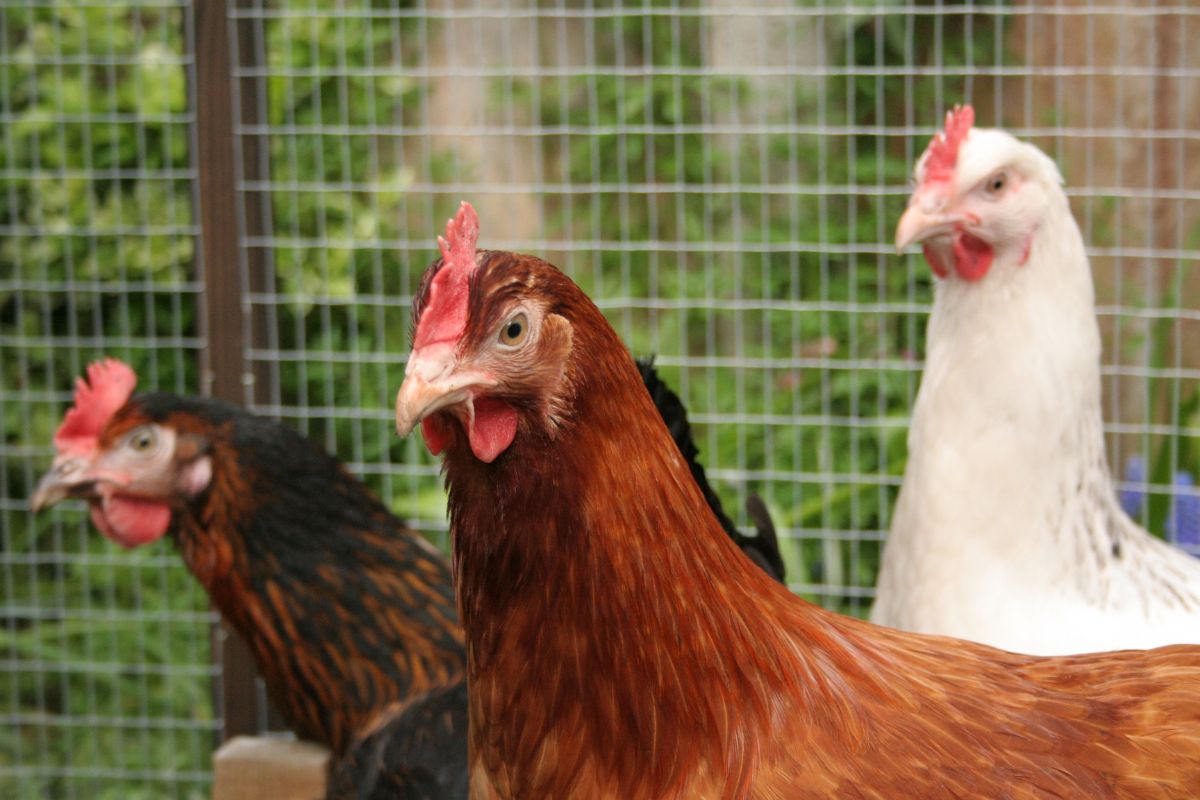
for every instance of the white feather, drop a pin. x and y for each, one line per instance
(1007, 530)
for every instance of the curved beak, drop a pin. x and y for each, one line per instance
(433, 381)
(418, 398)
(927, 216)
(67, 477)
(918, 224)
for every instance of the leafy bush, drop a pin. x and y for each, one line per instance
(107, 653)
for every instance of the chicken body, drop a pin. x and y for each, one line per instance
(618, 645)
(1007, 529)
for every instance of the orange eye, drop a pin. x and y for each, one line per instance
(997, 183)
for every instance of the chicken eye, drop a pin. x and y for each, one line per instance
(996, 183)
(143, 440)
(515, 330)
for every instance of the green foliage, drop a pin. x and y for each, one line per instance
(736, 222)
(108, 677)
(1169, 452)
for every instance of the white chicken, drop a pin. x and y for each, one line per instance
(1008, 530)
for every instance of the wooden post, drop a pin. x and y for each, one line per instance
(225, 374)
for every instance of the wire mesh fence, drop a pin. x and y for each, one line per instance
(722, 177)
(104, 661)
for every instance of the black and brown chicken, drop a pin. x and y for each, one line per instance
(345, 608)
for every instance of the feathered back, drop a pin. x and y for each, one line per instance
(416, 750)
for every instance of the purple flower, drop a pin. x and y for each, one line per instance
(1133, 499)
(1183, 520)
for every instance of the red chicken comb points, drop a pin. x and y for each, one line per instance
(445, 317)
(942, 155)
(462, 232)
(108, 386)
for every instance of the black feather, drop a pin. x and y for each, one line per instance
(417, 751)
(762, 549)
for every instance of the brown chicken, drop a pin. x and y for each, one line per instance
(619, 646)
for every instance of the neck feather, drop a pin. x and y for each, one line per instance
(595, 584)
(1009, 404)
(296, 561)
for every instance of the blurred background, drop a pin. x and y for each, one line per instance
(238, 197)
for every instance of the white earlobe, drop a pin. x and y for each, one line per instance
(196, 476)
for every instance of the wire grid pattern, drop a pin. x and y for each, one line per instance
(722, 177)
(105, 663)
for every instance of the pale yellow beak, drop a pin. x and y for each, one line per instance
(433, 381)
(418, 398)
(920, 222)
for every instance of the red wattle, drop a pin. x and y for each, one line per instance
(435, 435)
(131, 521)
(494, 428)
(935, 261)
(972, 257)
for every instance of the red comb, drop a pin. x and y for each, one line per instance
(108, 387)
(942, 154)
(445, 317)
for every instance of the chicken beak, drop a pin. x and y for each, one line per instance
(923, 219)
(67, 477)
(433, 381)
(418, 398)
